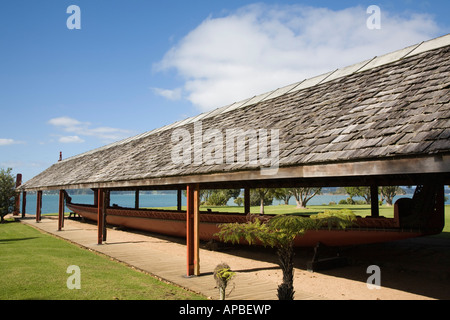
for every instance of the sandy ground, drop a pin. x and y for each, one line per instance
(416, 269)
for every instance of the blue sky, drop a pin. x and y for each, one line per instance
(138, 65)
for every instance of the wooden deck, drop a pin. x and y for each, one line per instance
(166, 258)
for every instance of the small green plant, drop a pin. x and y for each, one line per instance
(222, 275)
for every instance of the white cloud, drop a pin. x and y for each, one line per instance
(65, 122)
(174, 94)
(70, 139)
(7, 142)
(259, 48)
(79, 128)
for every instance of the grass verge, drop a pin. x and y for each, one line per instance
(34, 267)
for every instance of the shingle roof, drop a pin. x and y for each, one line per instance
(393, 106)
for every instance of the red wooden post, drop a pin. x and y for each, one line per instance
(196, 230)
(192, 231)
(38, 205)
(61, 210)
(17, 197)
(105, 205)
(100, 212)
(24, 203)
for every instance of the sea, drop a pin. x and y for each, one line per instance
(157, 200)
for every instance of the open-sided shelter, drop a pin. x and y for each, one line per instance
(384, 121)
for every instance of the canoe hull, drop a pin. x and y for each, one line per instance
(173, 223)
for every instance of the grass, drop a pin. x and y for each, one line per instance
(34, 267)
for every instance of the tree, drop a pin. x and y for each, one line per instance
(7, 193)
(363, 192)
(282, 194)
(239, 201)
(261, 197)
(388, 193)
(217, 197)
(303, 195)
(280, 232)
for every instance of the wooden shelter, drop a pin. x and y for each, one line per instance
(384, 121)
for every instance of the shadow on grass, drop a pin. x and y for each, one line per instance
(17, 239)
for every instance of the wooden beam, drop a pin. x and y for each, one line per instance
(61, 210)
(192, 230)
(339, 171)
(38, 206)
(374, 205)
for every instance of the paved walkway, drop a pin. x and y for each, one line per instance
(166, 259)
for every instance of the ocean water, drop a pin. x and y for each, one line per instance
(50, 201)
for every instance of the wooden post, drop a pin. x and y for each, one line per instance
(192, 230)
(247, 200)
(38, 205)
(105, 206)
(374, 205)
(440, 205)
(196, 230)
(136, 199)
(24, 203)
(95, 197)
(179, 199)
(17, 196)
(100, 212)
(61, 210)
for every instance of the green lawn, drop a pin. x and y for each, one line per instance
(34, 266)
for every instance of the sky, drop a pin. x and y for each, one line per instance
(75, 80)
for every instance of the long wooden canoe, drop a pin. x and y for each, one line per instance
(366, 230)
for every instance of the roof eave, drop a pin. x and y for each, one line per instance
(414, 165)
